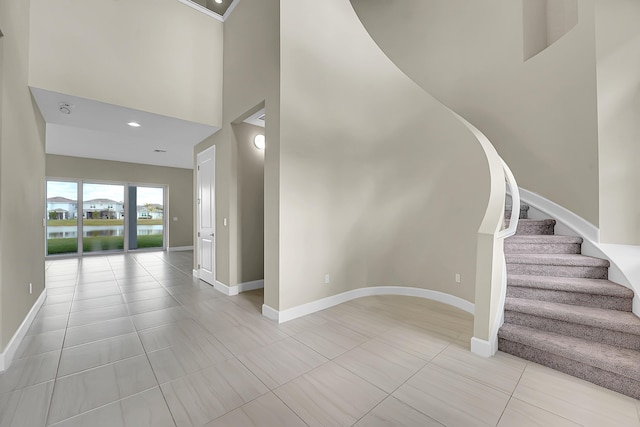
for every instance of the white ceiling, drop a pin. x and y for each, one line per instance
(256, 119)
(219, 11)
(98, 130)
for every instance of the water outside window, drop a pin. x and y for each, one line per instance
(105, 218)
(62, 217)
(102, 217)
(149, 218)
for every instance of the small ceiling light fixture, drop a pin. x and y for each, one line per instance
(134, 124)
(259, 142)
(65, 108)
(219, 1)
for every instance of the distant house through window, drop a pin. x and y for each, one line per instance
(104, 225)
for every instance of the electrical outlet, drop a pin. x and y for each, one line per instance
(327, 279)
(457, 277)
(30, 288)
(224, 222)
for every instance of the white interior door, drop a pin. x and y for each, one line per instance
(207, 215)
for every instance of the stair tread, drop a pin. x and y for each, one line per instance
(543, 239)
(618, 360)
(570, 260)
(570, 284)
(614, 320)
(534, 221)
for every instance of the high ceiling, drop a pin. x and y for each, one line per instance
(98, 130)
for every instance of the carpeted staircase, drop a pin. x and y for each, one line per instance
(562, 312)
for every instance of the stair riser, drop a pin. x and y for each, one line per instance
(524, 214)
(615, 382)
(583, 272)
(530, 229)
(605, 336)
(572, 298)
(532, 248)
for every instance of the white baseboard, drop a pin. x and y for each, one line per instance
(227, 290)
(251, 286)
(6, 357)
(270, 313)
(484, 348)
(242, 287)
(180, 248)
(321, 304)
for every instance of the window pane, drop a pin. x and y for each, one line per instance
(150, 217)
(62, 217)
(103, 217)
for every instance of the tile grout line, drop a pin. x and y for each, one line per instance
(408, 379)
(146, 354)
(236, 357)
(55, 378)
(102, 365)
(540, 407)
(244, 306)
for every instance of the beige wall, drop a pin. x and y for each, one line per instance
(250, 203)
(618, 47)
(379, 184)
(161, 56)
(540, 114)
(360, 165)
(562, 16)
(251, 70)
(22, 164)
(178, 181)
(534, 27)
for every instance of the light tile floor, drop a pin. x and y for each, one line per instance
(133, 340)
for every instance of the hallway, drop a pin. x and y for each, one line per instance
(135, 340)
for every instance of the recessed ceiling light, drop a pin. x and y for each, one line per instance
(134, 124)
(218, 1)
(259, 142)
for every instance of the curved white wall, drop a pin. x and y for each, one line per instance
(540, 114)
(379, 183)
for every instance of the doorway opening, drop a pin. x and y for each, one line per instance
(251, 144)
(247, 136)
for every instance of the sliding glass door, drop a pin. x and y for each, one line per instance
(102, 217)
(62, 218)
(149, 218)
(114, 217)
